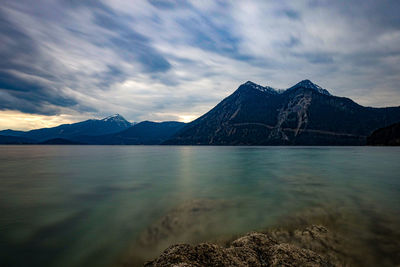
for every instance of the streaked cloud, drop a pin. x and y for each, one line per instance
(169, 60)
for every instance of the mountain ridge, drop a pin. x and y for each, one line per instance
(309, 85)
(304, 114)
(143, 133)
(111, 124)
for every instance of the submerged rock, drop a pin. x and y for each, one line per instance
(193, 218)
(193, 221)
(254, 249)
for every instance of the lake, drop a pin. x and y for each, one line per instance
(123, 205)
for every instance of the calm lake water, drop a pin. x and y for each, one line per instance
(116, 205)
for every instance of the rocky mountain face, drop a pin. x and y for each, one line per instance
(304, 114)
(388, 136)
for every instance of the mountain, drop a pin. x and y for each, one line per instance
(111, 124)
(8, 140)
(117, 121)
(309, 85)
(10, 132)
(143, 133)
(304, 114)
(387, 136)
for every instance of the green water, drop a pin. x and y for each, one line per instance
(99, 205)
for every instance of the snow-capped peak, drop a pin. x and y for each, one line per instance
(116, 118)
(261, 88)
(310, 85)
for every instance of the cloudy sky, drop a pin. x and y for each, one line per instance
(68, 60)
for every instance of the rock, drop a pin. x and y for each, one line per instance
(316, 238)
(254, 249)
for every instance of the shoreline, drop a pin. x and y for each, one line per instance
(256, 249)
(323, 236)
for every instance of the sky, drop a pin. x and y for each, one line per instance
(63, 61)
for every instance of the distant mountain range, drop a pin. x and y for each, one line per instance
(143, 133)
(111, 124)
(113, 130)
(304, 114)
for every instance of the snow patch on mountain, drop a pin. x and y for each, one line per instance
(267, 89)
(310, 85)
(117, 119)
(303, 84)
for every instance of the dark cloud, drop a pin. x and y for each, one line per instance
(29, 80)
(315, 57)
(169, 4)
(129, 44)
(290, 13)
(91, 4)
(382, 14)
(211, 37)
(105, 79)
(293, 41)
(24, 84)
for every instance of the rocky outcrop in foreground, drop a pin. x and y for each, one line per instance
(254, 249)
